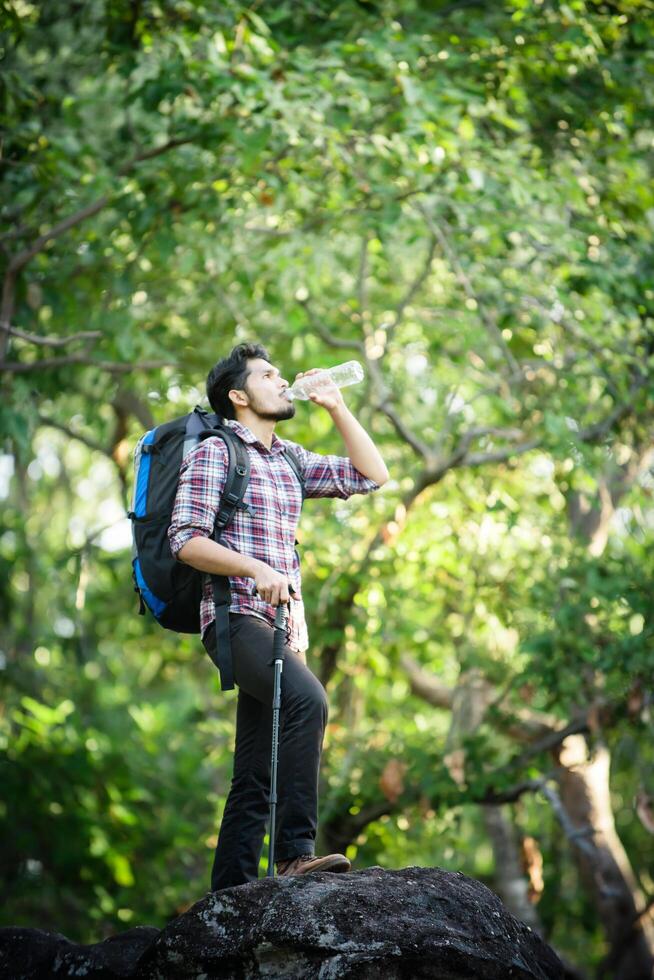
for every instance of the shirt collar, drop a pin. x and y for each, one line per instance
(247, 435)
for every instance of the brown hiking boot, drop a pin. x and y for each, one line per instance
(306, 863)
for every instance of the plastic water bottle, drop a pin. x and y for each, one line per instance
(342, 375)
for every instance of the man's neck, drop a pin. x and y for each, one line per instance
(263, 429)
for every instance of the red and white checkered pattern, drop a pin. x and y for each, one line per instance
(276, 498)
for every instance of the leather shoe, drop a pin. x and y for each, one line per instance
(306, 863)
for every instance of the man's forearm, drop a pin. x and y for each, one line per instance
(209, 556)
(360, 448)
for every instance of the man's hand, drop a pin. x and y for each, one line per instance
(271, 586)
(328, 395)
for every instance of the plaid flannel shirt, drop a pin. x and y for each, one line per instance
(275, 496)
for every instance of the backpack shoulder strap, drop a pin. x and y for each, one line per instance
(236, 482)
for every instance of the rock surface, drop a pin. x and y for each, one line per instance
(414, 923)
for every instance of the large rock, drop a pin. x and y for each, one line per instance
(37, 954)
(413, 923)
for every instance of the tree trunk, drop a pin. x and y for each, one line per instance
(604, 867)
(469, 701)
(510, 880)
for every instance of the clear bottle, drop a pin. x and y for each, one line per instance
(349, 373)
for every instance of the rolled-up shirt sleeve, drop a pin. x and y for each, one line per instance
(201, 482)
(330, 476)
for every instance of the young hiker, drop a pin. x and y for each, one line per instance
(258, 550)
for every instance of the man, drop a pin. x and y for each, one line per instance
(258, 549)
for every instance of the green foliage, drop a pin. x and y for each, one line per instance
(461, 194)
(601, 626)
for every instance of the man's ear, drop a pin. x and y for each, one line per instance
(238, 397)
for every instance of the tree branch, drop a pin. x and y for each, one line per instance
(155, 151)
(479, 431)
(580, 837)
(341, 830)
(510, 795)
(21, 259)
(90, 443)
(462, 277)
(522, 724)
(425, 685)
(362, 277)
(326, 334)
(413, 288)
(432, 473)
(128, 401)
(16, 367)
(419, 447)
(34, 338)
(578, 726)
(500, 455)
(384, 395)
(596, 431)
(592, 433)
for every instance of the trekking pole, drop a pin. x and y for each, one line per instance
(278, 657)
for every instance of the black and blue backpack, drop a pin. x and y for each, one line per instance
(170, 589)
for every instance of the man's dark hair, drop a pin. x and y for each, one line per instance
(231, 372)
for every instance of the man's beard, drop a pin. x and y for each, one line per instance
(285, 411)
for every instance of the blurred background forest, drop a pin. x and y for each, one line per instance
(458, 195)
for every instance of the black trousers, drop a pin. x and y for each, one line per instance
(303, 717)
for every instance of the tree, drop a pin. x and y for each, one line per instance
(459, 198)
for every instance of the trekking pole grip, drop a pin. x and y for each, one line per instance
(282, 604)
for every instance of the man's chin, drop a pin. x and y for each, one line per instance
(287, 412)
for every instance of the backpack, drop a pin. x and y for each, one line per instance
(170, 589)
